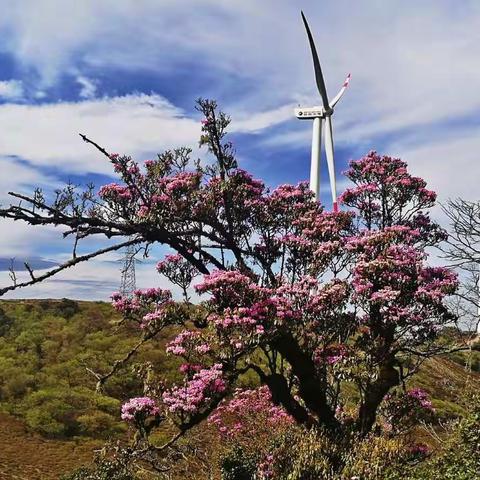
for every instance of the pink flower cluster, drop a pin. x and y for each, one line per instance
(265, 469)
(244, 327)
(115, 192)
(240, 189)
(296, 242)
(313, 277)
(228, 288)
(419, 450)
(331, 297)
(188, 342)
(149, 305)
(331, 354)
(421, 396)
(294, 194)
(245, 185)
(247, 408)
(389, 271)
(384, 184)
(197, 392)
(139, 408)
(170, 260)
(179, 184)
(404, 410)
(178, 270)
(435, 283)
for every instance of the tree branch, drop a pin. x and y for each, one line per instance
(66, 265)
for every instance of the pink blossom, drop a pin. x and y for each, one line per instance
(231, 416)
(197, 392)
(139, 408)
(114, 191)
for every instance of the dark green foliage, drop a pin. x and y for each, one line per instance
(73, 411)
(237, 465)
(67, 308)
(102, 470)
(45, 346)
(5, 322)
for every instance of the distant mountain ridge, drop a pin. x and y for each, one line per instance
(18, 264)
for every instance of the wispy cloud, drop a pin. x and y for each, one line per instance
(18, 264)
(88, 87)
(11, 90)
(96, 280)
(47, 135)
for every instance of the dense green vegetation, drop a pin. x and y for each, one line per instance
(45, 349)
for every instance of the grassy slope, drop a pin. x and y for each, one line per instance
(28, 456)
(447, 381)
(45, 341)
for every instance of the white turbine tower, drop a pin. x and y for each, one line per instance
(320, 115)
(478, 306)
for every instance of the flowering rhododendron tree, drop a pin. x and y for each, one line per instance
(306, 299)
(403, 410)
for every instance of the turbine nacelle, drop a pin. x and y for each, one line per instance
(311, 113)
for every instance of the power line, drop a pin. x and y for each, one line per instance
(128, 281)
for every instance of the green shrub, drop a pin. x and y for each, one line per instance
(43, 354)
(58, 411)
(48, 421)
(99, 424)
(5, 322)
(102, 470)
(238, 465)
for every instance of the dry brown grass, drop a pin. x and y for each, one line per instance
(28, 456)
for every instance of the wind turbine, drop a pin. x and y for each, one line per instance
(319, 115)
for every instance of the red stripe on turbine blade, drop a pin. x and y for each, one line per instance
(335, 207)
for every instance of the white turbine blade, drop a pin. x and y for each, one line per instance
(341, 92)
(316, 65)
(330, 161)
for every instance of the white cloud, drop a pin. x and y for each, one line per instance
(248, 122)
(412, 64)
(19, 176)
(88, 87)
(47, 134)
(96, 279)
(450, 164)
(11, 90)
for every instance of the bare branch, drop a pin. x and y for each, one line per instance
(65, 265)
(29, 269)
(102, 378)
(96, 145)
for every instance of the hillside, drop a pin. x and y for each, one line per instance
(29, 456)
(45, 349)
(50, 416)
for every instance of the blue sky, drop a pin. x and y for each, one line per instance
(127, 74)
